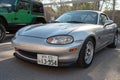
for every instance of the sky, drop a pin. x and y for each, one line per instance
(118, 4)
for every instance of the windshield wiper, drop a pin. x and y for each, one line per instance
(75, 22)
(55, 22)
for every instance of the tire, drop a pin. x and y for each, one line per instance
(2, 32)
(86, 54)
(115, 42)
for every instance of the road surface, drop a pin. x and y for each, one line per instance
(106, 66)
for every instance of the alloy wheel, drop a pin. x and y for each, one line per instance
(89, 52)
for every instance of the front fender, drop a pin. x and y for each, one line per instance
(82, 35)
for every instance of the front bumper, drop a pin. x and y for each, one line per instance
(29, 48)
(33, 60)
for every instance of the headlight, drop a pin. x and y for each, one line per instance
(60, 40)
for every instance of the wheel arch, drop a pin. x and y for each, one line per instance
(92, 37)
(3, 21)
(39, 20)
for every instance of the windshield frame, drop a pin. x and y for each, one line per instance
(73, 14)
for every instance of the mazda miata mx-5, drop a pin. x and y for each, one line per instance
(72, 38)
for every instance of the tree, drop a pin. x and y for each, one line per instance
(113, 14)
(39, 0)
(110, 5)
(83, 6)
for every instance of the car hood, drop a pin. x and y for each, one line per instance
(47, 30)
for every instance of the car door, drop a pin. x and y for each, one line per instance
(105, 30)
(23, 13)
(112, 30)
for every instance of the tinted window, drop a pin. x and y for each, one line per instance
(37, 8)
(79, 16)
(23, 5)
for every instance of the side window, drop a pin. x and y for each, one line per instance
(102, 19)
(37, 8)
(89, 18)
(23, 5)
(92, 19)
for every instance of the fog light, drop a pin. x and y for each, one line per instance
(73, 50)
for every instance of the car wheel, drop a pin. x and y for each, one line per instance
(87, 53)
(115, 42)
(2, 33)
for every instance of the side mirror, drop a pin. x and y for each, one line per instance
(107, 22)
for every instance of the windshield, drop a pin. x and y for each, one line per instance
(79, 17)
(7, 1)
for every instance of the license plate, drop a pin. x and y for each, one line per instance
(47, 60)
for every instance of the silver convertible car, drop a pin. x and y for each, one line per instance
(74, 37)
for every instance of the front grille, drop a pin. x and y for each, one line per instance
(32, 55)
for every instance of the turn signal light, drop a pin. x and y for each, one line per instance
(73, 50)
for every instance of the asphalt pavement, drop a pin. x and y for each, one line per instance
(106, 66)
